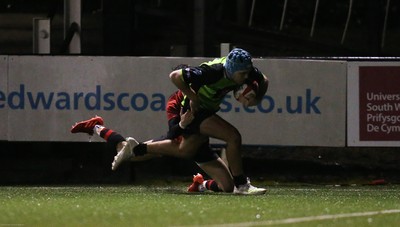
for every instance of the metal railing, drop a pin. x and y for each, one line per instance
(314, 19)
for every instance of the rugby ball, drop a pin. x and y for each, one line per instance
(246, 90)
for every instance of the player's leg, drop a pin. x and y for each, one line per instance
(123, 146)
(208, 160)
(218, 128)
(144, 157)
(96, 125)
(187, 148)
(219, 173)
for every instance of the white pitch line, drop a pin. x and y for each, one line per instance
(302, 219)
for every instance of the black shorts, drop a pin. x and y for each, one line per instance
(199, 117)
(205, 154)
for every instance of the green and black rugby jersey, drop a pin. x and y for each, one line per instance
(209, 82)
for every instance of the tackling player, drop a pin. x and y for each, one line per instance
(205, 86)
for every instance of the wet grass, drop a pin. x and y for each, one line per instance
(171, 206)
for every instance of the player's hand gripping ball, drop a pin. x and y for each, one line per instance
(246, 91)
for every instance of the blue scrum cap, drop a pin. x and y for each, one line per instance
(238, 60)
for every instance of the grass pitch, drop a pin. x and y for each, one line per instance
(171, 206)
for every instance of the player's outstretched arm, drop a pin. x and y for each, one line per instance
(177, 80)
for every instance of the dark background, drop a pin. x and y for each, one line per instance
(165, 27)
(184, 28)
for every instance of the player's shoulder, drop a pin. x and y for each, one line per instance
(207, 72)
(215, 62)
(214, 68)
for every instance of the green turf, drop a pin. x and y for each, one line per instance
(172, 206)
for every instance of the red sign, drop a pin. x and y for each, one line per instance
(379, 103)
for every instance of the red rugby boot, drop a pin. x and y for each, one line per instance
(87, 126)
(197, 185)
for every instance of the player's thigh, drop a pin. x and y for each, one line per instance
(191, 144)
(219, 172)
(217, 127)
